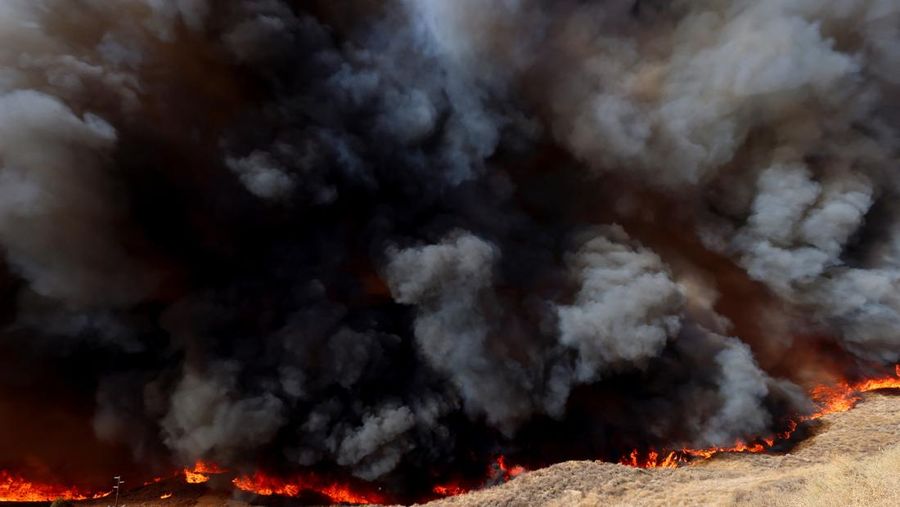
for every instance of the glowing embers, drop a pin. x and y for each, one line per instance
(14, 488)
(336, 492)
(829, 399)
(201, 472)
(165, 496)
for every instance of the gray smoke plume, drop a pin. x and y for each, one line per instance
(206, 418)
(58, 218)
(742, 387)
(394, 239)
(449, 283)
(626, 308)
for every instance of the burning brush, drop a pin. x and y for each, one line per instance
(829, 399)
(839, 397)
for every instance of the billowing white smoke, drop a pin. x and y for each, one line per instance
(329, 161)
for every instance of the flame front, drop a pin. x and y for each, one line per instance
(201, 472)
(830, 399)
(262, 484)
(842, 396)
(652, 460)
(14, 488)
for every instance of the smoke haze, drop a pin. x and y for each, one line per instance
(393, 239)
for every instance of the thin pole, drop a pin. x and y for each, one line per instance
(117, 487)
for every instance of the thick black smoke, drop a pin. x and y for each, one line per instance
(394, 239)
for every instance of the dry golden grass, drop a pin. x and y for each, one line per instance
(853, 460)
(870, 481)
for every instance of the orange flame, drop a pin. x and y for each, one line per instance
(153, 481)
(652, 460)
(201, 472)
(829, 399)
(449, 489)
(498, 471)
(842, 396)
(839, 397)
(14, 488)
(336, 492)
(508, 472)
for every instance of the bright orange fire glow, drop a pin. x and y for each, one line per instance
(829, 399)
(14, 488)
(654, 459)
(838, 397)
(336, 492)
(201, 472)
(499, 470)
(508, 471)
(449, 489)
(842, 396)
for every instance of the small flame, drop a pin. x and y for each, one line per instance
(499, 471)
(509, 472)
(14, 488)
(201, 472)
(830, 399)
(154, 481)
(336, 492)
(450, 489)
(652, 459)
(165, 495)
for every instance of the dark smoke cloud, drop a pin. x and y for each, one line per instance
(381, 238)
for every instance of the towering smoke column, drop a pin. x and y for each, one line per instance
(392, 240)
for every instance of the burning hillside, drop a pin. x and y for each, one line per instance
(387, 251)
(311, 488)
(852, 460)
(14, 488)
(829, 399)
